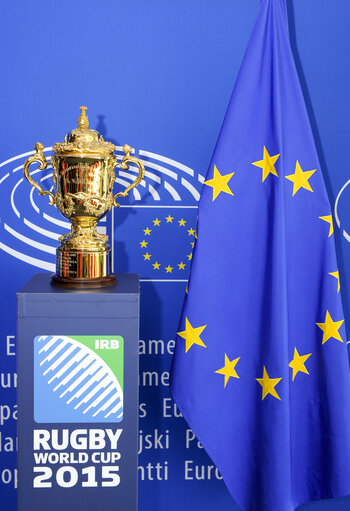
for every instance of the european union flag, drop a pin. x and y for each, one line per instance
(260, 371)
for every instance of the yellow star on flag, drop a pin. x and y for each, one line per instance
(336, 275)
(156, 222)
(267, 164)
(147, 231)
(143, 243)
(169, 219)
(169, 269)
(147, 256)
(181, 266)
(298, 363)
(300, 179)
(191, 232)
(268, 385)
(219, 183)
(192, 335)
(189, 256)
(156, 266)
(192, 243)
(329, 219)
(330, 328)
(229, 369)
(182, 222)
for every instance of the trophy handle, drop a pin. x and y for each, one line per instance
(38, 157)
(124, 165)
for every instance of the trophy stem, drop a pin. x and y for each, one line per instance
(84, 234)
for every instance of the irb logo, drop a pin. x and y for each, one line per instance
(107, 344)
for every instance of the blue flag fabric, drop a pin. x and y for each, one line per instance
(260, 370)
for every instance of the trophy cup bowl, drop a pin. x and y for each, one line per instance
(83, 175)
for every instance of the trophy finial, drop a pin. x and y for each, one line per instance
(83, 121)
(82, 141)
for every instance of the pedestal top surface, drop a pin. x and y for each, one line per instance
(41, 283)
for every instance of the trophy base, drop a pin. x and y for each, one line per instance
(109, 280)
(83, 268)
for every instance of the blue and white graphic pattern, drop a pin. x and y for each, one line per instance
(73, 384)
(31, 228)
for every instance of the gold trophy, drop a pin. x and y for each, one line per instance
(83, 175)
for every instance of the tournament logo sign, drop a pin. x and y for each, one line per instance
(78, 379)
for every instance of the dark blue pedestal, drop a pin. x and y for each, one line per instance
(78, 396)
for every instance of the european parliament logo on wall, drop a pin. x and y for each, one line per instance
(341, 210)
(161, 215)
(78, 378)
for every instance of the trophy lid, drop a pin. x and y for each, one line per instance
(84, 141)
